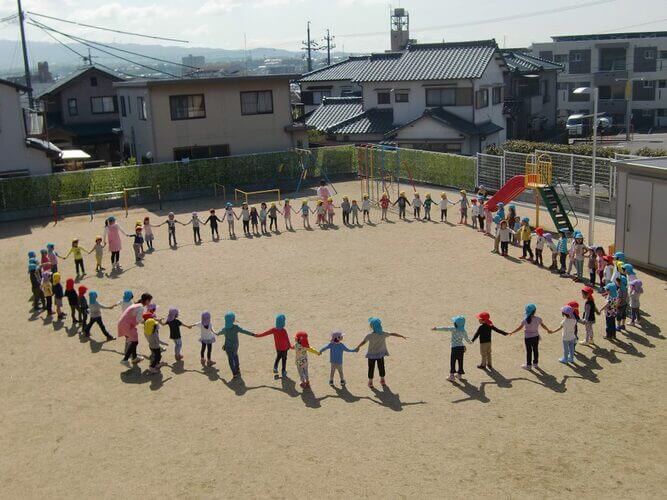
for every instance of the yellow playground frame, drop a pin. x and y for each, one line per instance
(247, 193)
(538, 175)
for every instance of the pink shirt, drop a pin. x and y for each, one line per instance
(287, 211)
(113, 236)
(127, 324)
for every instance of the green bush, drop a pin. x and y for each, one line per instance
(529, 147)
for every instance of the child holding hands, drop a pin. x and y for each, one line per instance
(459, 336)
(336, 349)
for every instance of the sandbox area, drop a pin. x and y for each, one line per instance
(76, 423)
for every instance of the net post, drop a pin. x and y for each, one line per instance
(159, 196)
(90, 206)
(125, 198)
(54, 206)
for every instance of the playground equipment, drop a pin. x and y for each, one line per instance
(219, 188)
(538, 177)
(307, 163)
(379, 169)
(245, 194)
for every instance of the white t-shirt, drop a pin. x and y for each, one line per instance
(417, 202)
(206, 334)
(541, 240)
(569, 324)
(475, 210)
(230, 214)
(443, 204)
(366, 205)
(505, 234)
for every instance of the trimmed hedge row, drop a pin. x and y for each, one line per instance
(529, 147)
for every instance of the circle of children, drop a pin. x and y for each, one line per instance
(617, 280)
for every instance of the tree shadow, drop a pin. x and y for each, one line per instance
(391, 400)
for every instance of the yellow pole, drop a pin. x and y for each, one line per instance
(125, 196)
(537, 207)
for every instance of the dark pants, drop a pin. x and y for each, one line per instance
(273, 222)
(115, 258)
(592, 277)
(233, 358)
(206, 349)
(417, 212)
(527, 250)
(83, 317)
(532, 350)
(427, 213)
(443, 215)
(196, 235)
(538, 256)
(481, 222)
(172, 238)
(49, 304)
(563, 262)
(504, 247)
(37, 297)
(131, 350)
(281, 356)
(346, 217)
(457, 357)
(371, 367)
(214, 232)
(99, 321)
(156, 356)
(73, 310)
(78, 263)
(246, 226)
(401, 211)
(635, 313)
(611, 327)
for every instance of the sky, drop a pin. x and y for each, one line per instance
(358, 25)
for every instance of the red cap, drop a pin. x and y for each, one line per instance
(69, 284)
(485, 317)
(147, 315)
(539, 231)
(302, 338)
(609, 259)
(82, 291)
(574, 305)
(588, 291)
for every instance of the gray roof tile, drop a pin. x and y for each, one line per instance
(334, 110)
(527, 63)
(373, 121)
(344, 70)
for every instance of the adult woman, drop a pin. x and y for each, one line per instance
(127, 327)
(531, 325)
(112, 236)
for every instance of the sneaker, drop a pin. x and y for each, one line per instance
(284, 373)
(275, 371)
(459, 376)
(481, 367)
(342, 382)
(211, 362)
(570, 360)
(331, 383)
(535, 365)
(451, 377)
(125, 362)
(563, 360)
(302, 385)
(370, 384)
(526, 367)
(382, 382)
(138, 359)
(203, 361)
(111, 337)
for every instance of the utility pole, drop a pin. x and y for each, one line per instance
(309, 46)
(26, 63)
(329, 39)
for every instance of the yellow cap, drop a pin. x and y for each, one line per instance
(304, 202)
(443, 195)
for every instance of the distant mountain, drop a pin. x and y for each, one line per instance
(55, 54)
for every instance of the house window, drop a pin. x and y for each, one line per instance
(401, 97)
(560, 58)
(546, 97)
(123, 108)
(663, 54)
(257, 103)
(93, 81)
(141, 106)
(662, 84)
(201, 152)
(662, 112)
(649, 54)
(449, 97)
(648, 84)
(102, 105)
(576, 57)
(497, 95)
(384, 98)
(314, 97)
(187, 107)
(73, 107)
(482, 98)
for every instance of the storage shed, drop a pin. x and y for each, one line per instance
(641, 211)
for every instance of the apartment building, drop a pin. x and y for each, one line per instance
(629, 69)
(191, 118)
(444, 97)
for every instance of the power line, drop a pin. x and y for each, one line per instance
(623, 28)
(8, 18)
(107, 29)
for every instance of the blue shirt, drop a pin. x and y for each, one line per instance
(458, 336)
(562, 245)
(336, 352)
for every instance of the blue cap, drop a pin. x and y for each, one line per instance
(526, 220)
(92, 297)
(530, 309)
(280, 321)
(459, 322)
(619, 256)
(230, 317)
(127, 295)
(31, 254)
(376, 324)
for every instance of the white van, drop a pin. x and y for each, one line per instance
(578, 124)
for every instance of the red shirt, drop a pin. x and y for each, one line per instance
(280, 338)
(384, 202)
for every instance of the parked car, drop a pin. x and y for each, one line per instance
(579, 125)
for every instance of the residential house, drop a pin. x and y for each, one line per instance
(611, 62)
(331, 81)
(175, 119)
(82, 112)
(531, 98)
(444, 97)
(22, 154)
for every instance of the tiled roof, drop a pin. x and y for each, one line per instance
(344, 70)
(454, 121)
(334, 110)
(57, 85)
(373, 121)
(434, 61)
(527, 63)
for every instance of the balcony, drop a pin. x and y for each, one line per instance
(611, 77)
(613, 106)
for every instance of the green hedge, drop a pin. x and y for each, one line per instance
(529, 147)
(268, 168)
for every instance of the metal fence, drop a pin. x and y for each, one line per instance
(490, 171)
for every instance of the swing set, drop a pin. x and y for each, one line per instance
(307, 164)
(379, 171)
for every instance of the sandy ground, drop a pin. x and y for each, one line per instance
(76, 423)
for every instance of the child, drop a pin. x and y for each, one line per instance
(416, 206)
(505, 235)
(44, 262)
(636, 289)
(305, 214)
(346, 208)
(320, 211)
(53, 257)
(138, 243)
(487, 219)
(207, 338)
(629, 271)
(554, 251)
(231, 216)
(82, 305)
(47, 291)
(511, 214)
(72, 299)
(482, 212)
(590, 310)
(568, 325)
(273, 217)
(213, 221)
(175, 325)
(474, 212)
(76, 250)
(152, 334)
(539, 246)
(58, 294)
(231, 346)
(196, 223)
(171, 227)
(402, 202)
(287, 214)
(384, 206)
(281, 342)
(459, 335)
(562, 251)
(126, 301)
(464, 207)
(497, 220)
(148, 233)
(609, 269)
(443, 206)
(366, 209)
(377, 348)
(622, 313)
(355, 212)
(330, 211)
(579, 251)
(262, 217)
(336, 349)
(254, 219)
(517, 228)
(36, 286)
(245, 217)
(531, 325)
(301, 350)
(96, 315)
(525, 234)
(611, 310)
(484, 333)
(98, 248)
(600, 264)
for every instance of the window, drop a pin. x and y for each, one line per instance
(649, 54)
(576, 57)
(123, 109)
(546, 97)
(141, 107)
(257, 103)
(662, 84)
(72, 107)
(187, 107)
(562, 86)
(93, 81)
(101, 105)
(497, 95)
(449, 97)
(200, 152)
(129, 105)
(384, 98)
(648, 84)
(482, 98)
(314, 97)
(560, 58)
(401, 97)
(662, 112)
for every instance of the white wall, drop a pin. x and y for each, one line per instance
(14, 154)
(143, 130)
(337, 88)
(493, 77)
